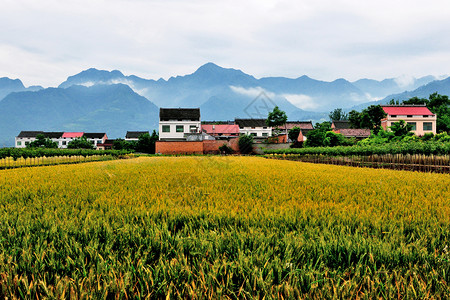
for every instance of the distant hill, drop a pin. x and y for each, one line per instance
(8, 86)
(440, 86)
(113, 109)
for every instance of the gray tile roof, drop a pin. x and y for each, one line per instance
(166, 114)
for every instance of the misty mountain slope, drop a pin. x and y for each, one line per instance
(113, 109)
(8, 86)
(379, 89)
(439, 86)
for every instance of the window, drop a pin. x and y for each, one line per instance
(99, 141)
(27, 143)
(193, 129)
(413, 124)
(166, 128)
(264, 127)
(264, 134)
(63, 143)
(180, 128)
(394, 116)
(427, 126)
(19, 143)
(253, 134)
(425, 116)
(409, 116)
(253, 127)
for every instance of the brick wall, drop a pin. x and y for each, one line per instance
(180, 147)
(212, 147)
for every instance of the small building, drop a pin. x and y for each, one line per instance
(96, 137)
(221, 131)
(341, 124)
(419, 116)
(106, 145)
(67, 137)
(343, 127)
(305, 127)
(254, 127)
(176, 124)
(134, 135)
(26, 137)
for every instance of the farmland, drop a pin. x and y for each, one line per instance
(218, 227)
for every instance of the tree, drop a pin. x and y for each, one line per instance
(368, 118)
(337, 115)
(401, 128)
(316, 137)
(276, 118)
(80, 143)
(333, 139)
(121, 144)
(42, 142)
(294, 133)
(146, 143)
(245, 144)
(225, 149)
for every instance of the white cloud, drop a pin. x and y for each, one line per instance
(404, 81)
(304, 102)
(252, 92)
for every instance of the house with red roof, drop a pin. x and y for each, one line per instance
(343, 127)
(419, 116)
(221, 131)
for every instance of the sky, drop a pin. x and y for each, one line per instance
(43, 42)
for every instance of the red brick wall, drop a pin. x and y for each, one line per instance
(179, 147)
(212, 147)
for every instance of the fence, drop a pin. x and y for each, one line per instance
(414, 162)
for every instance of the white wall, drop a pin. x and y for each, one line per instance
(173, 134)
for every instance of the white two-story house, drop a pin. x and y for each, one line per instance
(176, 124)
(254, 127)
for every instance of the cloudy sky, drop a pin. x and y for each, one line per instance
(44, 42)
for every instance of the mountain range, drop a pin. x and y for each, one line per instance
(108, 101)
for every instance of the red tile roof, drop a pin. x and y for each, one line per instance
(405, 110)
(221, 129)
(72, 134)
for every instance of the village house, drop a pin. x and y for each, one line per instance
(176, 124)
(254, 127)
(221, 131)
(134, 135)
(26, 137)
(305, 127)
(343, 127)
(419, 117)
(61, 138)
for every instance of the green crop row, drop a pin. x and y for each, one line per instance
(25, 153)
(425, 148)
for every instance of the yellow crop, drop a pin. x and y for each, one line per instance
(220, 227)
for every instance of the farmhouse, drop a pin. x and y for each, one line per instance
(176, 124)
(305, 127)
(419, 116)
(221, 131)
(343, 127)
(254, 127)
(61, 138)
(134, 135)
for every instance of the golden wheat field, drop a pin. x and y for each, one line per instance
(223, 227)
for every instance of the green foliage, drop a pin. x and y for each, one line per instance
(441, 147)
(80, 143)
(401, 128)
(121, 144)
(276, 118)
(294, 133)
(42, 142)
(337, 115)
(333, 139)
(245, 144)
(146, 143)
(368, 118)
(225, 149)
(437, 104)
